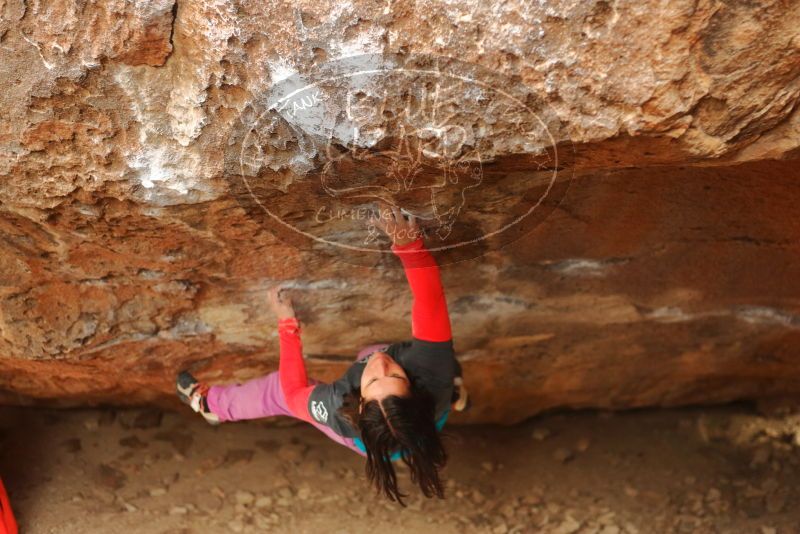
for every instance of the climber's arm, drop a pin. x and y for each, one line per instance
(292, 369)
(430, 320)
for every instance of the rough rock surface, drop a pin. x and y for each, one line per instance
(665, 273)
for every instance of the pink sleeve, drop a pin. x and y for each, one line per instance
(292, 369)
(430, 320)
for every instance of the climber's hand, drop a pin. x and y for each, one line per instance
(280, 302)
(400, 230)
(461, 400)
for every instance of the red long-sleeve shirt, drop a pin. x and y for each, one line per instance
(292, 369)
(8, 524)
(430, 321)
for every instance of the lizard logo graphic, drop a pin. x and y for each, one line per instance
(428, 163)
(466, 150)
(319, 411)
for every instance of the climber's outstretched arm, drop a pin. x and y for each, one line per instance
(292, 368)
(430, 320)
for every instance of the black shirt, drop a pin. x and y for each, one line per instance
(430, 366)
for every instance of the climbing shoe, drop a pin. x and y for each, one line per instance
(193, 393)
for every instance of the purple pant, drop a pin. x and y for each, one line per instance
(263, 397)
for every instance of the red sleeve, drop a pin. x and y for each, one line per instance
(8, 524)
(292, 369)
(429, 318)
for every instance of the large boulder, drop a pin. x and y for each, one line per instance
(162, 164)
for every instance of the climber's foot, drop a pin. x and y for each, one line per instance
(193, 393)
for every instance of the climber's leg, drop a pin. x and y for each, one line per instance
(256, 398)
(260, 397)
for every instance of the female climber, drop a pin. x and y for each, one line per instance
(389, 405)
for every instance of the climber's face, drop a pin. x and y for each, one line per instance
(383, 377)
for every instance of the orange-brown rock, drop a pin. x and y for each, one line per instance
(663, 267)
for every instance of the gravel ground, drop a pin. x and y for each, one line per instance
(726, 469)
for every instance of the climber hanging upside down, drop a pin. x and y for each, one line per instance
(389, 405)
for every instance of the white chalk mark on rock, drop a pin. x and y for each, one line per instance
(763, 315)
(49, 66)
(584, 266)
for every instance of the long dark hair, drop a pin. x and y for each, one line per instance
(399, 423)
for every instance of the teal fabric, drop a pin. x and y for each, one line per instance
(396, 456)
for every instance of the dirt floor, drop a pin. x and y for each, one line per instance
(726, 469)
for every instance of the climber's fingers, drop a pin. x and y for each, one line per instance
(272, 293)
(403, 228)
(272, 297)
(279, 297)
(394, 224)
(385, 221)
(377, 221)
(398, 215)
(412, 223)
(280, 302)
